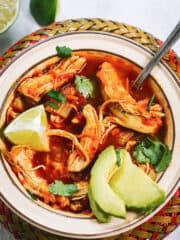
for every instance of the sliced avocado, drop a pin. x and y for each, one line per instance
(98, 212)
(102, 193)
(135, 187)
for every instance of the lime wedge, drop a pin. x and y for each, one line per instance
(8, 13)
(29, 128)
(43, 11)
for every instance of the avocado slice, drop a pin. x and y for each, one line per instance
(98, 212)
(102, 193)
(135, 187)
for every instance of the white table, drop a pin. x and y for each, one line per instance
(155, 16)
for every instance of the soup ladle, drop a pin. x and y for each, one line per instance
(171, 39)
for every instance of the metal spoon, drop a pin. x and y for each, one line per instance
(172, 38)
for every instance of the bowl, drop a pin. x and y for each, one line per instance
(9, 12)
(165, 84)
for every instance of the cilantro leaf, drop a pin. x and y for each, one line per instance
(139, 155)
(57, 96)
(118, 157)
(64, 51)
(61, 189)
(154, 152)
(165, 160)
(150, 102)
(84, 86)
(53, 105)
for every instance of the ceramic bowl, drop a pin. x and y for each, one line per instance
(166, 86)
(8, 9)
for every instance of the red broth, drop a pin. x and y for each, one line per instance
(55, 162)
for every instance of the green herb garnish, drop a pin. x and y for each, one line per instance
(43, 11)
(57, 96)
(64, 51)
(151, 100)
(154, 152)
(61, 189)
(118, 157)
(32, 195)
(164, 161)
(53, 105)
(84, 86)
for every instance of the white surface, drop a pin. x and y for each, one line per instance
(155, 16)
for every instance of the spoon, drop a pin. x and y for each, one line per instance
(171, 39)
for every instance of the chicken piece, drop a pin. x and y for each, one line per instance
(16, 107)
(36, 87)
(42, 67)
(90, 140)
(73, 138)
(82, 187)
(21, 159)
(128, 112)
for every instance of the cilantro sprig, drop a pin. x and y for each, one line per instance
(64, 51)
(53, 105)
(154, 152)
(61, 189)
(55, 94)
(84, 86)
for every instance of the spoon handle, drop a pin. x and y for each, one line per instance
(172, 38)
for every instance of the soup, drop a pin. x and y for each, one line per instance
(89, 104)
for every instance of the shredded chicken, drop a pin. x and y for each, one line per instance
(36, 87)
(90, 140)
(126, 109)
(21, 159)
